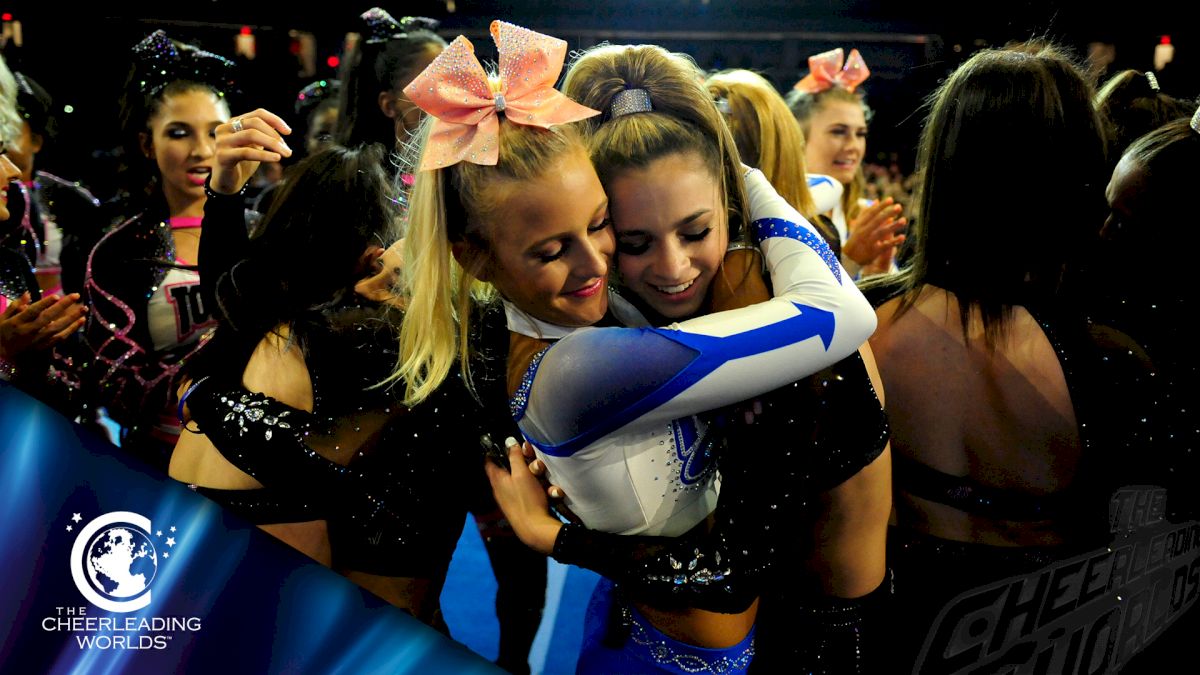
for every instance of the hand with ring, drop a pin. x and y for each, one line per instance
(243, 143)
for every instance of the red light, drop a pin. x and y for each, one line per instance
(1166, 40)
(245, 30)
(6, 16)
(294, 48)
(333, 61)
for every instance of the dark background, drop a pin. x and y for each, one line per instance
(81, 54)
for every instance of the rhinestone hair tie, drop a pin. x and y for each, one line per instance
(1196, 121)
(630, 101)
(1153, 79)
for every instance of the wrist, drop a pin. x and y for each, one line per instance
(544, 535)
(213, 193)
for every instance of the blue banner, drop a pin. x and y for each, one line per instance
(109, 568)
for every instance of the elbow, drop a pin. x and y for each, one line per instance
(856, 323)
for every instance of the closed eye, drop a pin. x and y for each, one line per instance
(633, 245)
(598, 227)
(551, 257)
(698, 236)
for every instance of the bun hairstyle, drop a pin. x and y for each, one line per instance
(768, 137)
(682, 118)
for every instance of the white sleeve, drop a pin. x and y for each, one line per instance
(599, 380)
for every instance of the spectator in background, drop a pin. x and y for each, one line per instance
(64, 218)
(148, 316)
(316, 119)
(372, 106)
(30, 325)
(834, 116)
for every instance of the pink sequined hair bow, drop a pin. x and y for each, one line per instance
(832, 68)
(466, 104)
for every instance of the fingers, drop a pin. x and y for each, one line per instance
(75, 314)
(254, 131)
(881, 221)
(495, 474)
(874, 210)
(266, 117)
(15, 306)
(32, 313)
(66, 332)
(249, 154)
(515, 456)
(555, 492)
(68, 306)
(527, 449)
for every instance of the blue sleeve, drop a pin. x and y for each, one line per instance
(599, 380)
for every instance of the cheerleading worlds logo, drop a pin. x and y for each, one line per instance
(114, 561)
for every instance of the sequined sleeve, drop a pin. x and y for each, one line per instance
(391, 512)
(124, 373)
(696, 570)
(266, 439)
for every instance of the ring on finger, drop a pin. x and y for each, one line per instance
(237, 124)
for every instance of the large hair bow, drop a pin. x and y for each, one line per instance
(160, 62)
(466, 104)
(826, 70)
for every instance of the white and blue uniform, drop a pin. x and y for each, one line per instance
(617, 413)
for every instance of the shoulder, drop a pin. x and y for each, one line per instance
(277, 368)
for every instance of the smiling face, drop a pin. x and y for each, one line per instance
(181, 142)
(672, 231)
(836, 139)
(550, 245)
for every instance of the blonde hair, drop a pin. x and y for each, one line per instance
(767, 135)
(450, 206)
(10, 121)
(684, 118)
(803, 105)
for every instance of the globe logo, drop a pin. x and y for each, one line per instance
(113, 561)
(121, 562)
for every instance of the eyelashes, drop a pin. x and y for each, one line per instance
(631, 248)
(640, 246)
(592, 229)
